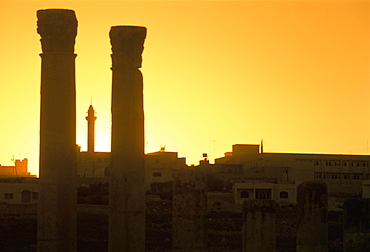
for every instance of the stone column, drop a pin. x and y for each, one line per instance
(188, 212)
(259, 225)
(58, 168)
(356, 225)
(127, 171)
(312, 204)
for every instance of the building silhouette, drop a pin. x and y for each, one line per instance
(19, 169)
(91, 164)
(246, 163)
(159, 165)
(90, 129)
(253, 174)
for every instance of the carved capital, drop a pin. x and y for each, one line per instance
(58, 29)
(127, 45)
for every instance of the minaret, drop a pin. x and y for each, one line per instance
(90, 129)
(56, 227)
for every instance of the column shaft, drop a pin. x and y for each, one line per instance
(259, 225)
(56, 229)
(312, 205)
(127, 171)
(189, 210)
(356, 225)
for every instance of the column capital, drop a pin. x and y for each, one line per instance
(127, 45)
(58, 29)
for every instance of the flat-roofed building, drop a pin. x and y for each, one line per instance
(342, 172)
(19, 169)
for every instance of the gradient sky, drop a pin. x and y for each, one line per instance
(293, 73)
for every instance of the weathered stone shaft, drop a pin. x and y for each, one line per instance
(259, 225)
(356, 225)
(189, 209)
(312, 205)
(127, 171)
(58, 168)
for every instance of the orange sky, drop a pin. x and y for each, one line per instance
(294, 73)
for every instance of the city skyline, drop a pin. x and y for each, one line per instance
(295, 74)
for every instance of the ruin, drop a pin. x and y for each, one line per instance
(57, 185)
(356, 225)
(189, 209)
(127, 171)
(259, 225)
(58, 167)
(312, 204)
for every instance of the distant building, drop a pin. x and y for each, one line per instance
(17, 185)
(366, 189)
(19, 190)
(282, 193)
(93, 164)
(159, 165)
(20, 169)
(342, 173)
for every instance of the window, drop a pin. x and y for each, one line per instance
(263, 194)
(318, 175)
(26, 196)
(356, 176)
(244, 195)
(284, 195)
(157, 174)
(35, 195)
(8, 196)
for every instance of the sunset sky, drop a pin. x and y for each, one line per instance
(293, 73)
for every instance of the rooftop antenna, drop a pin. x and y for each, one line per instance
(90, 99)
(261, 145)
(15, 167)
(214, 148)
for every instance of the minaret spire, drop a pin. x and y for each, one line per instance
(90, 128)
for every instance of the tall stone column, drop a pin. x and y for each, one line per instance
(312, 205)
(189, 210)
(58, 168)
(259, 225)
(127, 187)
(356, 225)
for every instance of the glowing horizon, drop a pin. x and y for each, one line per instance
(293, 73)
